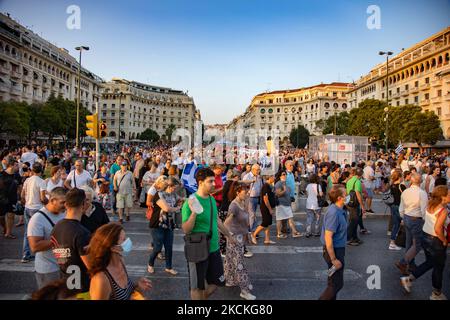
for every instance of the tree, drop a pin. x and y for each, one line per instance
(299, 137)
(423, 128)
(367, 119)
(15, 118)
(327, 125)
(149, 135)
(169, 131)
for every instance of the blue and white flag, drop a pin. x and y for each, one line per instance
(188, 177)
(399, 148)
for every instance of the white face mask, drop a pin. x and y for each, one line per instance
(347, 200)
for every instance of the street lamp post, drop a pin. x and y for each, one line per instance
(386, 110)
(120, 106)
(81, 48)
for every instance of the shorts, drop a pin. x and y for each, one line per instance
(369, 192)
(124, 201)
(283, 212)
(209, 271)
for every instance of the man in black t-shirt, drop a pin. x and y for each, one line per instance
(268, 204)
(70, 240)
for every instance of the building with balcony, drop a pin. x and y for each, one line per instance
(31, 69)
(137, 106)
(284, 110)
(418, 75)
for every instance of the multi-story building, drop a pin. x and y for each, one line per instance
(284, 110)
(137, 106)
(31, 68)
(418, 75)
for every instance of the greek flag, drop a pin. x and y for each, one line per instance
(399, 148)
(188, 177)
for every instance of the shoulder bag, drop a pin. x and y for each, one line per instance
(321, 199)
(196, 245)
(353, 203)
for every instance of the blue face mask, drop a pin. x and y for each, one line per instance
(127, 245)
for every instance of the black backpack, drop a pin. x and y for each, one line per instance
(353, 203)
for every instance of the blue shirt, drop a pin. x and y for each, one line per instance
(290, 182)
(335, 220)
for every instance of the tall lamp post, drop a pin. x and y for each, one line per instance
(81, 48)
(120, 111)
(386, 110)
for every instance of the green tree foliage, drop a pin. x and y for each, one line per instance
(367, 119)
(423, 128)
(328, 125)
(15, 118)
(299, 137)
(169, 131)
(149, 135)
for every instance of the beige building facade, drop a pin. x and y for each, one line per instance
(284, 110)
(31, 69)
(418, 75)
(137, 106)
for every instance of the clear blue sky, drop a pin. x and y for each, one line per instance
(226, 51)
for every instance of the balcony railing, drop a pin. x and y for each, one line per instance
(27, 79)
(15, 90)
(16, 75)
(4, 87)
(5, 69)
(424, 86)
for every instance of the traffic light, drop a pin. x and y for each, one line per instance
(92, 125)
(103, 133)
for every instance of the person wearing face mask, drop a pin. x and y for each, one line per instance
(94, 214)
(334, 238)
(90, 167)
(40, 227)
(109, 277)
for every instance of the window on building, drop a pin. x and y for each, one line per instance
(416, 99)
(439, 111)
(416, 84)
(427, 80)
(439, 93)
(406, 101)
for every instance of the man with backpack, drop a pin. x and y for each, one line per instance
(39, 234)
(355, 206)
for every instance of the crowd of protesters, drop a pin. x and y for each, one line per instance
(61, 196)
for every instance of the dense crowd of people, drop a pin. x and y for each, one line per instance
(62, 200)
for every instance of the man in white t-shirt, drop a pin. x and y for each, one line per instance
(78, 177)
(31, 193)
(39, 234)
(28, 156)
(369, 184)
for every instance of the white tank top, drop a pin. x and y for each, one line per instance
(430, 221)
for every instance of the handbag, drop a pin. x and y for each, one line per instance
(321, 199)
(196, 245)
(401, 237)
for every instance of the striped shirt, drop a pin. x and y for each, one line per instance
(117, 292)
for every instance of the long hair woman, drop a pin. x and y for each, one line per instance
(237, 223)
(109, 277)
(434, 243)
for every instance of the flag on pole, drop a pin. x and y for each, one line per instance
(399, 148)
(188, 177)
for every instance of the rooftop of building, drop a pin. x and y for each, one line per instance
(16, 31)
(322, 85)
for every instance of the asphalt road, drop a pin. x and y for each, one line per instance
(291, 269)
